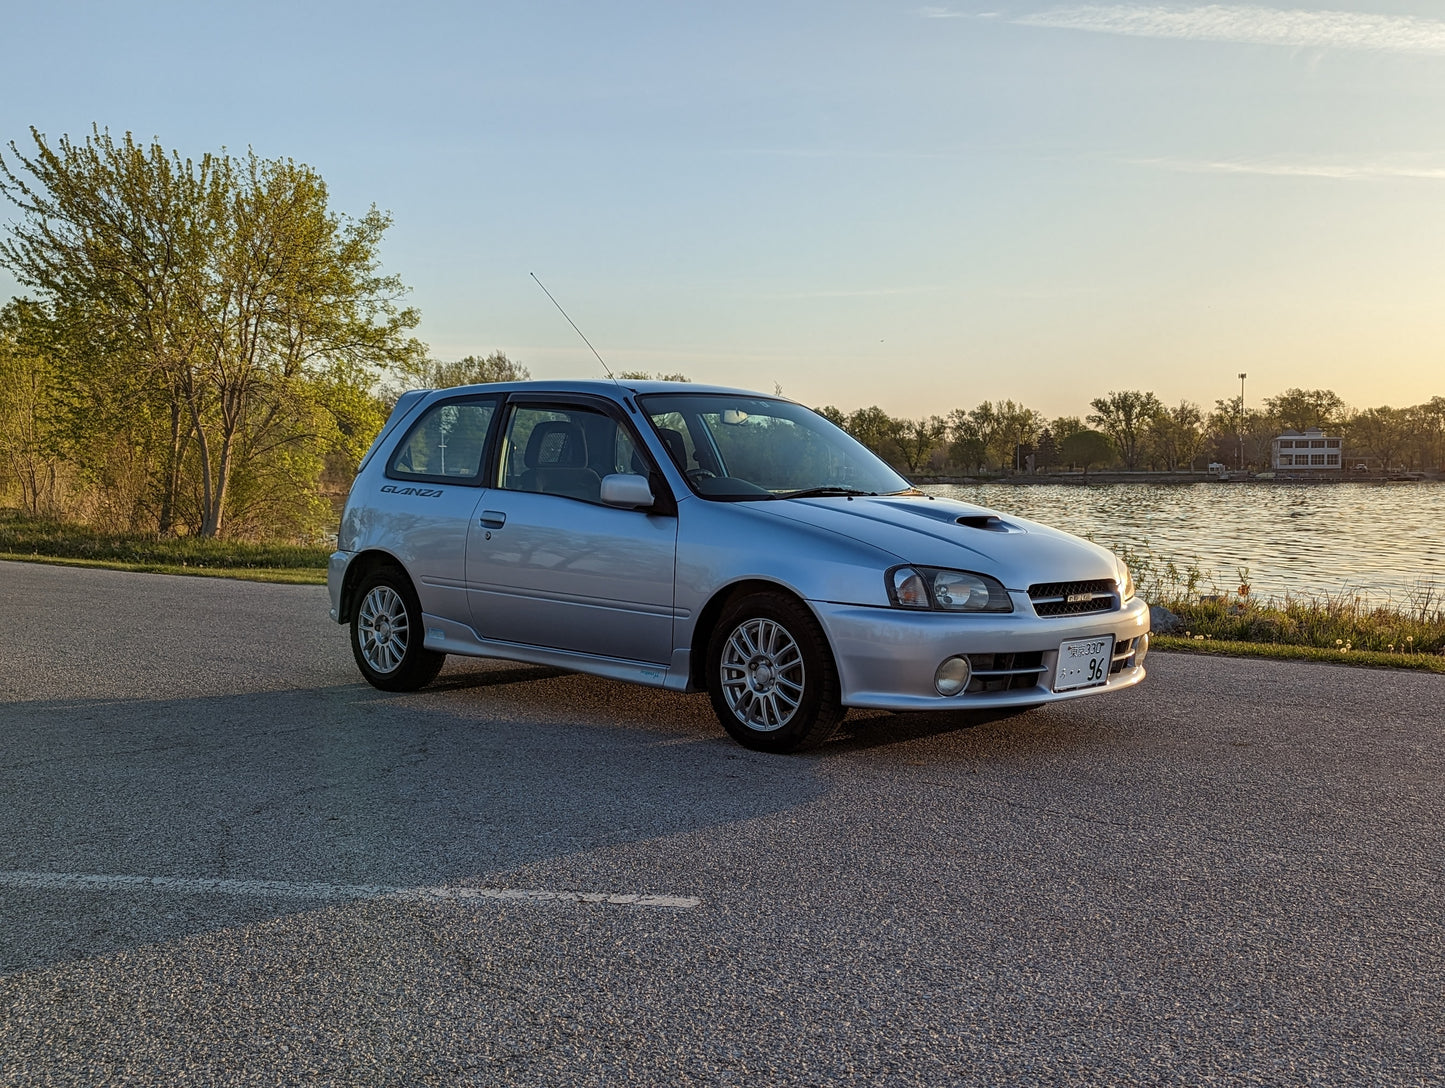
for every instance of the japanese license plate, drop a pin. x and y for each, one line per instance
(1083, 663)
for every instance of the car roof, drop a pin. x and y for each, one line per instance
(600, 387)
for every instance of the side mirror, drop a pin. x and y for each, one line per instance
(627, 491)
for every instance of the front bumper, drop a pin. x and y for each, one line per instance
(887, 657)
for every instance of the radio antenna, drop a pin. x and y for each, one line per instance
(574, 325)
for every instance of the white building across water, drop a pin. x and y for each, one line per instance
(1313, 450)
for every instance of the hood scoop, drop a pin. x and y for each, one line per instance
(990, 523)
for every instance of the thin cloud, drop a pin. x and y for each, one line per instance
(1250, 25)
(1336, 171)
(934, 12)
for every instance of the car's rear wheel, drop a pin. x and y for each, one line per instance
(387, 635)
(771, 676)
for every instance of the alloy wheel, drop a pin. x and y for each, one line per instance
(762, 674)
(382, 628)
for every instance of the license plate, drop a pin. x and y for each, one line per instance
(1084, 663)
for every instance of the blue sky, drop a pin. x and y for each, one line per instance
(916, 206)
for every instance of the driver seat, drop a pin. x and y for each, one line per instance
(555, 462)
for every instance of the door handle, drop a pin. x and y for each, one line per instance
(493, 519)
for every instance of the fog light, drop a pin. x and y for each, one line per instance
(1141, 648)
(952, 676)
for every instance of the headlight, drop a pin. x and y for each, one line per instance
(946, 590)
(1126, 582)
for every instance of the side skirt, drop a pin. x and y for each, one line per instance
(450, 637)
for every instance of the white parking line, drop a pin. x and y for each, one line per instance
(282, 889)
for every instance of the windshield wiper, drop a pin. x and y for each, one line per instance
(816, 492)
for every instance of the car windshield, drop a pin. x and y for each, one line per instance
(739, 448)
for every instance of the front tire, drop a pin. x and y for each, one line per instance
(771, 676)
(387, 634)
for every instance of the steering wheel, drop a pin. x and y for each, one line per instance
(697, 475)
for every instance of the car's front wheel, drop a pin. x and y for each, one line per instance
(387, 635)
(771, 676)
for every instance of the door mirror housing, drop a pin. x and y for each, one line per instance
(627, 491)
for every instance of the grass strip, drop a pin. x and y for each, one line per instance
(284, 575)
(26, 537)
(1369, 659)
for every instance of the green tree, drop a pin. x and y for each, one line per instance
(1430, 432)
(1125, 417)
(644, 376)
(27, 392)
(426, 373)
(1086, 448)
(205, 304)
(1176, 435)
(1382, 434)
(1300, 409)
(917, 439)
(1048, 450)
(1017, 429)
(877, 430)
(112, 235)
(967, 445)
(994, 430)
(1065, 426)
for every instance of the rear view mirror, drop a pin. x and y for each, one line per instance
(627, 491)
(733, 416)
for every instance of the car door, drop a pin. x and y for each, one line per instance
(425, 499)
(548, 564)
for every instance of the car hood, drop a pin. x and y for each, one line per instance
(946, 533)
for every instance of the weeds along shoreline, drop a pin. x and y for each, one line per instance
(1336, 625)
(1214, 616)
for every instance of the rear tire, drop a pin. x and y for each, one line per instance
(771, 676)
(387, 634)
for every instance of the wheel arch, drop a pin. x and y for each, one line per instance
(705, 628)
(362, 565)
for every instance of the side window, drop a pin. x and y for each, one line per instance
(626, 457)
(447, 443)
(559, 450)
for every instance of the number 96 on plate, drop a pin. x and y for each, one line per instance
(1083, 663)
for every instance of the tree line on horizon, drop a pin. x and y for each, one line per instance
(209, 350)
(1133, 430)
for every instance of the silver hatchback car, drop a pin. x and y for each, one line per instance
(691, 538)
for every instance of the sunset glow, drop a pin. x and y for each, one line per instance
(915, 206)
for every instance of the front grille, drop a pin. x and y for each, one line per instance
(1053, 598)
(1004, 672)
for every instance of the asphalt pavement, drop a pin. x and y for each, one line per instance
(225, 860)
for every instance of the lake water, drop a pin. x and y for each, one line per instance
(1383, 542)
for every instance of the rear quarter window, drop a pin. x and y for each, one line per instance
(446, 444)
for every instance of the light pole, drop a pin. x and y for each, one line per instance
(1241, 421)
